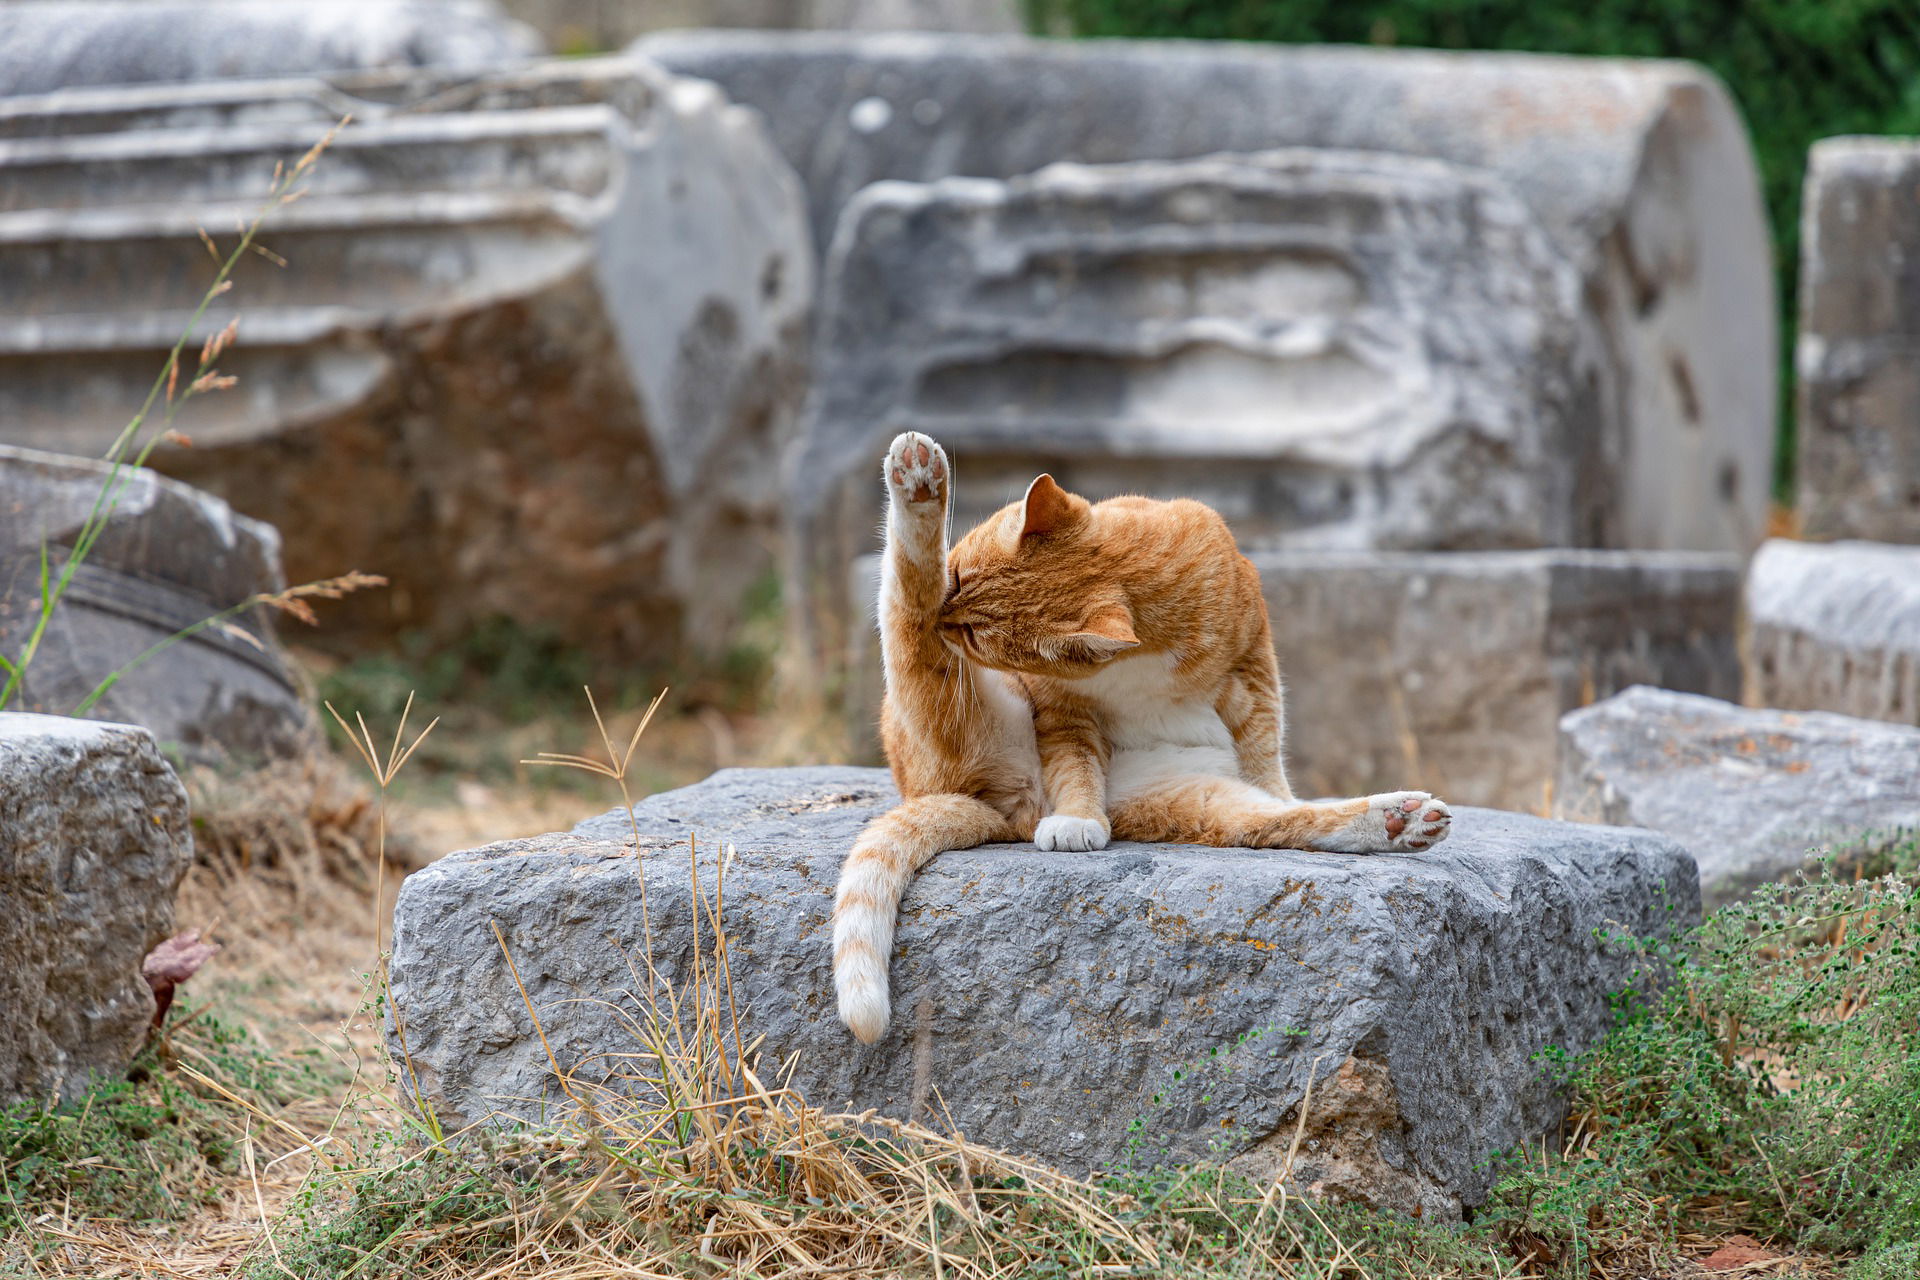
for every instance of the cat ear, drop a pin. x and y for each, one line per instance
(1049, 507)
(1108, 632)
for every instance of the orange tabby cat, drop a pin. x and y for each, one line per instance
(1074, 672)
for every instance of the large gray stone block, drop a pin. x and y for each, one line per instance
(1450, 671)
(538, 340)
(1859, 341)
(1638, 170)
(93, 843)
(63, 44)
(168, 558)
(1333, 349)
(1046, 1000)
(1749, 792)
(1835, 627)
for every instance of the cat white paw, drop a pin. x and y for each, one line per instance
(1061, 834)
(916, 470)
(1396, 822)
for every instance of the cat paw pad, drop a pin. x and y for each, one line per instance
(916, 469)
(1411, 820)
(1061, 834)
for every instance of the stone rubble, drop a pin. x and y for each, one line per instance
(1835, 627)
(169, 558)
(1749, 792)
(534, 350)
(1858, 353)
(67, 44)
(94, 840)
(1281, 279)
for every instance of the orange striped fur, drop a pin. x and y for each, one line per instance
(1069, 673)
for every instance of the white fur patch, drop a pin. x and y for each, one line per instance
(1073, 835)
(1136, 772)
(1158, 736)
(1142, 708)
(1368, 832)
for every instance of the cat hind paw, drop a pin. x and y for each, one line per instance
(916, 469)
(1394, 822)
(1411, 820)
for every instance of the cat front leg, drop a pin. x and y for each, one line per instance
(913, 574)
(1073, 769)
(1251, 703)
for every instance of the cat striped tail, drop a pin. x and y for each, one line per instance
(877, 871)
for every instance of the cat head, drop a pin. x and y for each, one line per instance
(1033, 589)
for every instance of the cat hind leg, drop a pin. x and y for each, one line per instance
(1228, 813)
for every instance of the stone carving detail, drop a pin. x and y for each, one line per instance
(533, 354)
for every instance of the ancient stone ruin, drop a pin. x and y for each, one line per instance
(94, 829)
(532, 353)
(1835, 627)
(169, 558)
(1357, 298)
(1475, 352)
(1859, 341)
(62, 44)
(1799, 782)
(1046, 1003)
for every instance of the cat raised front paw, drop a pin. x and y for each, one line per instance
(1061, 834)
(916, 470)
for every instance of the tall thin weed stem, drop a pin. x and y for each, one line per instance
(130, 450)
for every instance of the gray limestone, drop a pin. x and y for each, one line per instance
(1859, 341)
(1449, 671)
(1638, 171)
(169, 557)
(607, 24)
(64, 44)
(536, 345)
(1835, 627)
(1047, 1002)
(1749, 792)
(93, 842)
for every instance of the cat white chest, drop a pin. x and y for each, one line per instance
(1143, 707)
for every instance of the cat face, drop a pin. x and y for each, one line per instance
(1033, 589)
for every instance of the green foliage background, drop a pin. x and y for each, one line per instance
(1800, 69)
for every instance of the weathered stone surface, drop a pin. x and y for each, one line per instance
(93, 843)
(1639, 171)
(1046, 1000)
(608, 24)
(68, 43)
(537, 341)
(1748, 792)
(1333, 349)
(1859, 341)
(1835, 627)
(170, 557)
(1450, 671)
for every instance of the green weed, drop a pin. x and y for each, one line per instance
(154, 1145)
